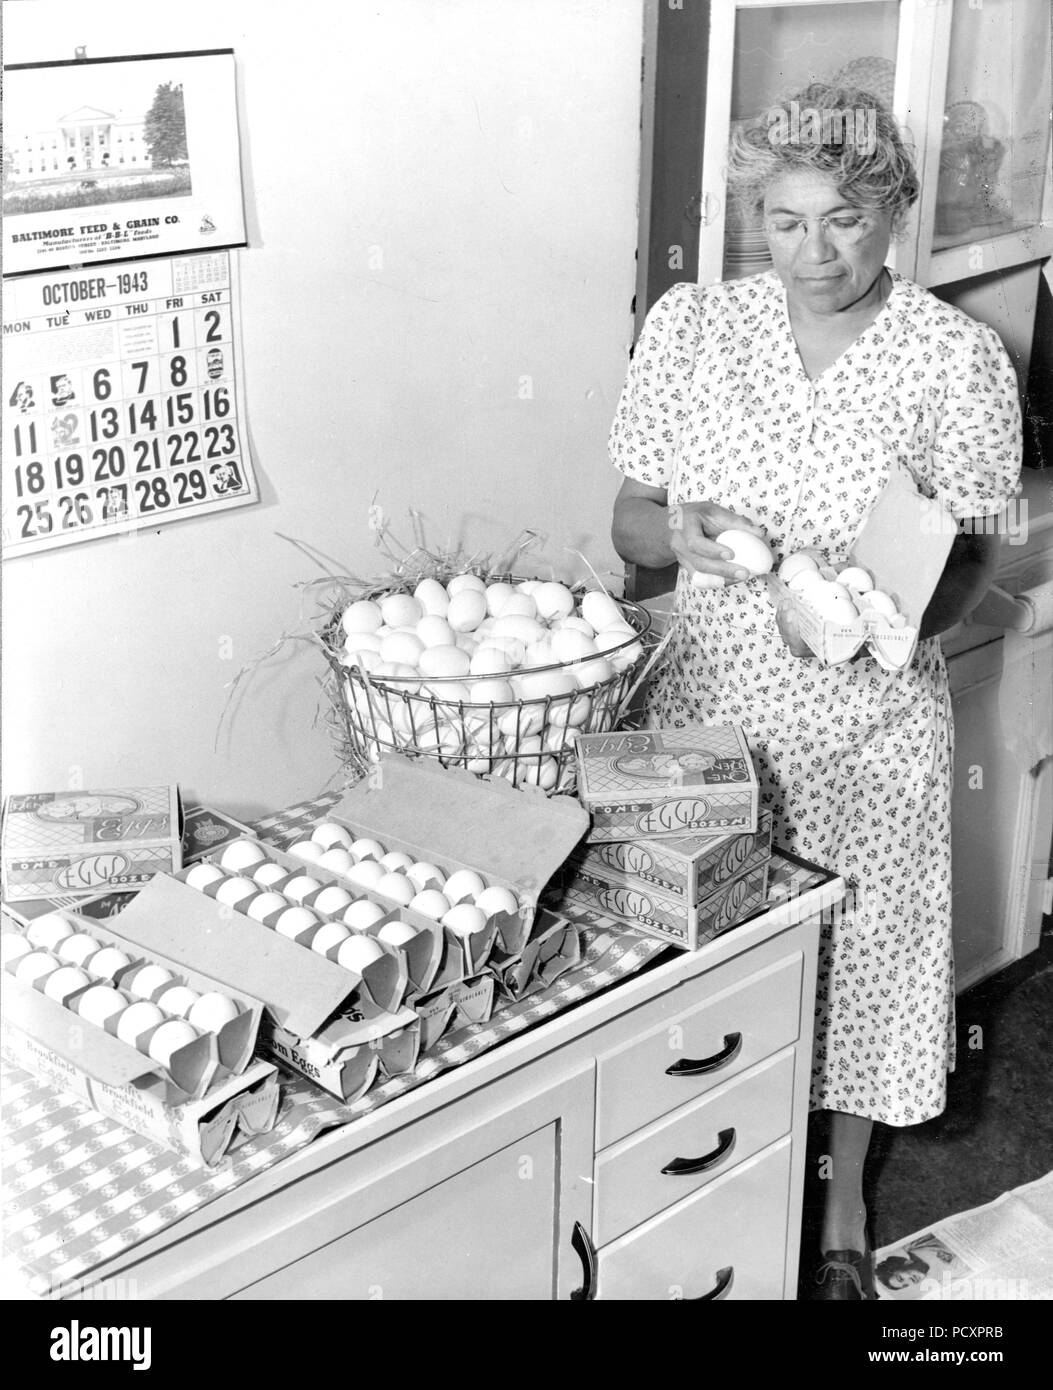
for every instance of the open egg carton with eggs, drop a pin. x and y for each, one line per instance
(163, 1048)
(492, 674)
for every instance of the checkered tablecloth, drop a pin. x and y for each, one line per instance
(79, 1189)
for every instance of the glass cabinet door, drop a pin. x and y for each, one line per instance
(994, 146)
(777, 50)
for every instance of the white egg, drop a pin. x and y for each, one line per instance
(236, 890)
(491, 692)
(467, 642)
(590, 673)
(331, 900)
(328, 936)
(538, 655)
(528, 586)
(213, 1011)
(308, 850)
(445, 662)
(396, 933)
(524, 720)
(300, 887)
(107, 963)
(169, 1038)
(337, 860)
(268, 874)
(570, 645)
(576, 624)
(433, 631)
(570, 712)
(431, 903)
(363, 658)
(367, 873)
(496, 899)
(599, 610)
(242, 854)
(178, 1000)
(402, 649)
(395, 859)
(520, 628)
(465, 919)
(497, 595)
(294, 921)
(401, 610)
(426, 875)
(432, 597)
(521, 604)
(467, 610)
(877, 601)
(363, 616)
(364, 914)
(331, 836)
(64, 981)
(796, 564)
(358, 953)
(365, 848)
(13, 946)
(488, 661)
(359, 644)
(47, 931)
(543, 773)
(461, 582)
(554, 600)
(75, 950)
(856, 579)
(897, 620)
(101, 1003)
(447, 694)
(265, 905)
(541, 685)
(804, 580)
(462, 884)
(397, 887)
(747, 550)
(138, 1019)
(147, 981)
(202, 876)
(513, 648)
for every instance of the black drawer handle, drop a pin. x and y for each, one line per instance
(686, 1067)
(725, 1279)
(682, 1166)
(583, 1245)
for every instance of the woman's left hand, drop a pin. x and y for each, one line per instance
(786, 617)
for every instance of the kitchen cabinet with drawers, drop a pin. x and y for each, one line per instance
(645, 1144)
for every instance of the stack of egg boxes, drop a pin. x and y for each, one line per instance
(678, 845)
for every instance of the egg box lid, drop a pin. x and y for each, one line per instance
(301, 989)
(643, 766)
(94, 1052)
(74, 843)
(513, 837)
(207, 831)
(904, 543)
(235, 1040)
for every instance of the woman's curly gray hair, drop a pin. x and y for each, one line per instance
(841, 133)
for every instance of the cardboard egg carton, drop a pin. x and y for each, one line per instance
(903, 544)
(512, 837)
(318, 1018)
(554, 947)
(453, 1005)
(411, 966)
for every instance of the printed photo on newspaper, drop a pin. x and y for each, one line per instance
(119, 158)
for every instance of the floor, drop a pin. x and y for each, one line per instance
(997, 1130)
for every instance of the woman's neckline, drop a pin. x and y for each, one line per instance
(894, 282)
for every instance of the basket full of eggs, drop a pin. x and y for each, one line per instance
(492, 673)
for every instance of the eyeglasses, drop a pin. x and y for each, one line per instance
(843, 228)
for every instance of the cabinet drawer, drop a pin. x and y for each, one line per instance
(708, 1042)
(717, 1131)
(727, 1241)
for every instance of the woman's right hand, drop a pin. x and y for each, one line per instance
(693, 529)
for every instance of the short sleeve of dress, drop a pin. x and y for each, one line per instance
(653, 406)
(975, 461)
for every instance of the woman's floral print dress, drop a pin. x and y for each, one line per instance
(854, 761)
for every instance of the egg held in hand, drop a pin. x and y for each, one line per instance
(747, 550)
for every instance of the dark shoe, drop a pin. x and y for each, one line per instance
(845, 1276)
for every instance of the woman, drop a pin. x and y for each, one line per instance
(776, 404)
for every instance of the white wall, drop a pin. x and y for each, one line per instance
(489, 149)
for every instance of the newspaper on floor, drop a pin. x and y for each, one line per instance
(1000, 1251)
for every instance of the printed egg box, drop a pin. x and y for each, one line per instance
(193, 1106)
(512, 837)
(318, 1018)
(413, 965)
(688, 871)
(662, 915)
(73, 844)
(903, 544)
(206, 831)
(658, 784)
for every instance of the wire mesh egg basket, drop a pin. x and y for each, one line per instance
(529, 739)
